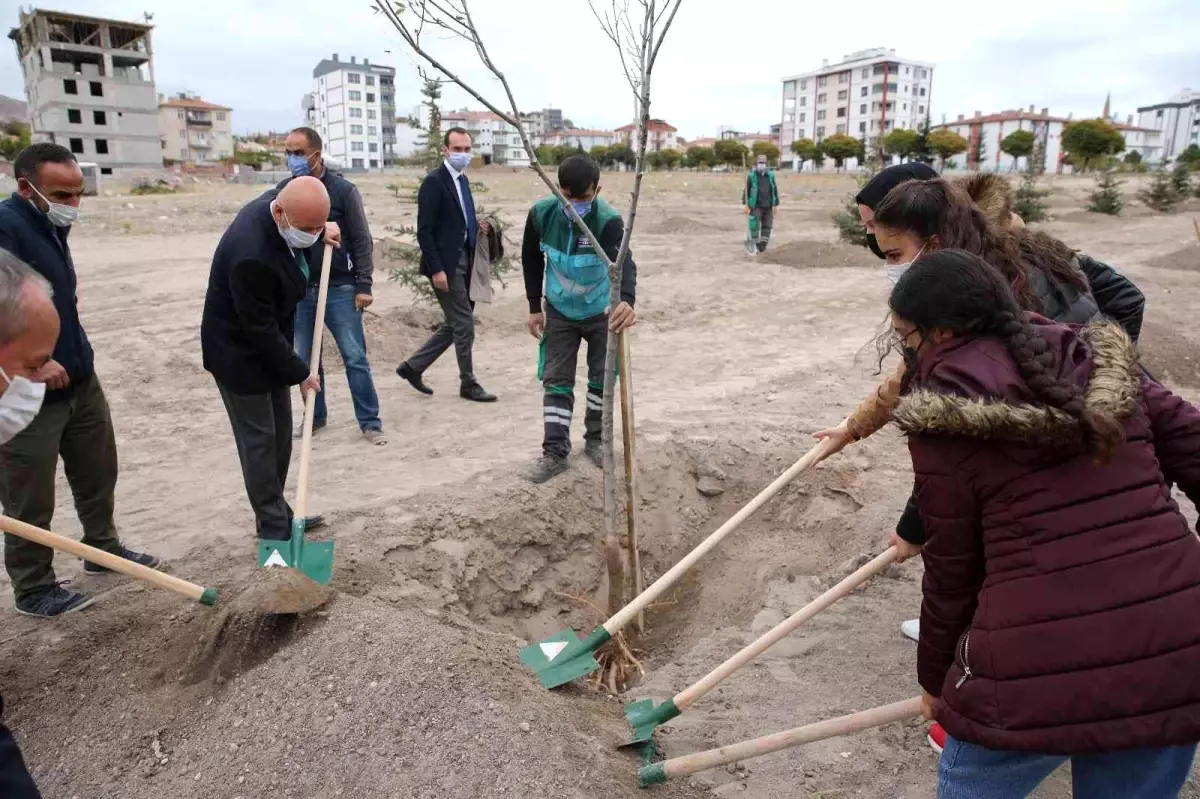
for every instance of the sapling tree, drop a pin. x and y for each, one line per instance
(637, 29)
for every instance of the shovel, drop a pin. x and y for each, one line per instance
(830, 728)
(313, 558)
(752, 235)
(563, 657)
(644, 717)
(635, 556)
(196, 593)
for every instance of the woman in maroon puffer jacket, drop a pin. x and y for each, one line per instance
(1061, 613)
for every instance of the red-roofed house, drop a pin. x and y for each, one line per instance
(660, 136)
(587, 139)
(194, 131)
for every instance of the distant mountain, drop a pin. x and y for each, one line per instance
(12, 109)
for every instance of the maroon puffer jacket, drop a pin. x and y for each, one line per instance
(1061, 605)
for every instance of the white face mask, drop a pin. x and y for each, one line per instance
(19, 405)
(896, 271)
(59, 215)
(296, 239)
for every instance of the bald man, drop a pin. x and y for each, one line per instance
(259, 274)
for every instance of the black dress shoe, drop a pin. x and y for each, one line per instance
(414, 378)
(475, 393)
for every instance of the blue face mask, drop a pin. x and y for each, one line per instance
(298, 165)
(582, 207)
(460, 161)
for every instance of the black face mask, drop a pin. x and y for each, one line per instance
(874, 245)
(909, 354)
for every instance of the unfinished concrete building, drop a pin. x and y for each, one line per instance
(90, 86)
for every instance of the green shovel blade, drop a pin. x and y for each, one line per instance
(562, 657)
(644, 718)
(313, 558)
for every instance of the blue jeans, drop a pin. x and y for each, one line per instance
(344, 321)
(968, 771)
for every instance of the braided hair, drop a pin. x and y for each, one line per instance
(956, 291)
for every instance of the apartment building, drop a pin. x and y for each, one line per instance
(1048, 156)
(1178, 120)
(90, 86)
(866, 95)
(587, 139)
(541, 123)
(194, 131)
(353, 107)
(659, 136)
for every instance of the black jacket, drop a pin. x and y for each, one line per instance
(250, 309)
(27, 233)
(352, 263)
(1116, 295)
(441, 228)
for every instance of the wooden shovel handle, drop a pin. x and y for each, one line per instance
(310, 399)
(830, 728)
(785, 628)
(197, 593)
(656, 589)
(627, 430)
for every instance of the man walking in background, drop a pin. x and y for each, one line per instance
(760, 198)
(349, 285)
(259, 274)
(446, 232)
(74, 419)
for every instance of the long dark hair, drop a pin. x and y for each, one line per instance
(959, 292)
(928, 208)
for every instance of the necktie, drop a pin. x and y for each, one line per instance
(469, 210)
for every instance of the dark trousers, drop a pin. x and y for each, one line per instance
(79, 429)
(560, 354)
(458, 328)
(262, 429)
(766, 221)
(15, 782)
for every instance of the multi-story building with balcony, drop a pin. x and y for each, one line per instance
(90, 86)
(353, 107)
(193, 131)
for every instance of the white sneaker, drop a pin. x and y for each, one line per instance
(911, 629)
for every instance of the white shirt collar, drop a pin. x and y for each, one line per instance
(454, 173)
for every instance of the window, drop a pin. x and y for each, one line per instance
(841, 112)
(353, 77)
(386, 99)
(220, 116)
(863, 92)
(920, 109)
(843, 94)
(821, 114)
(804, 84)
(862, 109)
(370, 80)
(843, 77)
(904, 107)
(356, 113)
(183, 134)
(101, 146)
(841, 128)
(821, 98)
(866, 73)
(356, 163)
(372, 130)
(862, 127)
(821, 81)
(922, 91)
(180, 113)
(74, 116)
(100, 117)
(374, 164)
(924, 74)
(372, 147)
(370, 113)
(356, 130)
(356, 146)
(803, 101)
(96, 88)
(801, 118)
(370, 97)
(69, 87)
(906, 70)
(106, 170)
(820, 132)
(356, 96)
(76, 146)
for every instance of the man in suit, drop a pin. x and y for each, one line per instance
(446, 232)
(259, 274)
(74, 422)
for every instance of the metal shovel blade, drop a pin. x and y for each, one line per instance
(313, 558)
(644, 718)
(563, 657)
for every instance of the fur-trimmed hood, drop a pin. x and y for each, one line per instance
(951, 399)
(992, 193)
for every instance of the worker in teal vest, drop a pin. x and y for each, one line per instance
(760, 198)
(569, 290)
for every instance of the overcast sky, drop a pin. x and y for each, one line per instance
(257, 55)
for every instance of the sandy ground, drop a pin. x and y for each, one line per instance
(408, 684)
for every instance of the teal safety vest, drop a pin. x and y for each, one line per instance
(577, 282)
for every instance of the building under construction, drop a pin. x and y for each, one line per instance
(90, 86)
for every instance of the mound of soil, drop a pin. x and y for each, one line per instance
(818, 255)
(1187, 259)
(1169, 355)
(682, 224)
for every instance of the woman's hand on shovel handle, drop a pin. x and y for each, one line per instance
(313, 383)
(928, 705)
(904, 549)
(838, 437)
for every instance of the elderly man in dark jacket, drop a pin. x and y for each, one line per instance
(259, 273)
(349, 285)
(74, 421)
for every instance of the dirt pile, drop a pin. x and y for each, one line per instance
(817, 255)
(675, 225)
(1187, 259)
